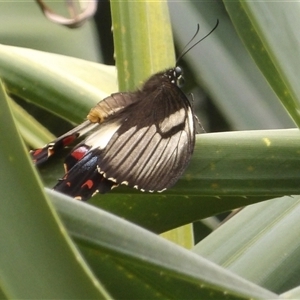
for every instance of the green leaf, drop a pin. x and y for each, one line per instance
(221, 65)
(291, 294)
(32, 131)
(143, 40)
(143, 265)
(56, 82)
(36, 256)
(228, 170)
(265, 251)
(273, 50)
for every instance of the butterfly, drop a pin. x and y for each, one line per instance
(142, 139)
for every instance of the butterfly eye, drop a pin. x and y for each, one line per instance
(177, 72)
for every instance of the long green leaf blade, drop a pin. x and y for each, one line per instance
(143, 40)
(55, 82)
(37, 259)
(273, 50)
(222, 67)
(143, 264)
(260, 244)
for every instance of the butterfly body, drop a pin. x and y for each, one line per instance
(142, 139)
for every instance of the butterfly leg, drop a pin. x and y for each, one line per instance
(199, 127)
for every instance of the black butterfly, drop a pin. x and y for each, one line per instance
(143, 139)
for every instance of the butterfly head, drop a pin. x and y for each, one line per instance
(175, 76)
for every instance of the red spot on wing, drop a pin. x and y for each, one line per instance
(40, 155)
(80, 152)
(75, 156)
(69, 139)
(36, 152)
(89, 184)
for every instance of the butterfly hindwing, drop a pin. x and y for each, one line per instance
(83, 180)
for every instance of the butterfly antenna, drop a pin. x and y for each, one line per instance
(184, 52)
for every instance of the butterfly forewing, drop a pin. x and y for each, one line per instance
(103, 110)
(39, 156)
(151, 148)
